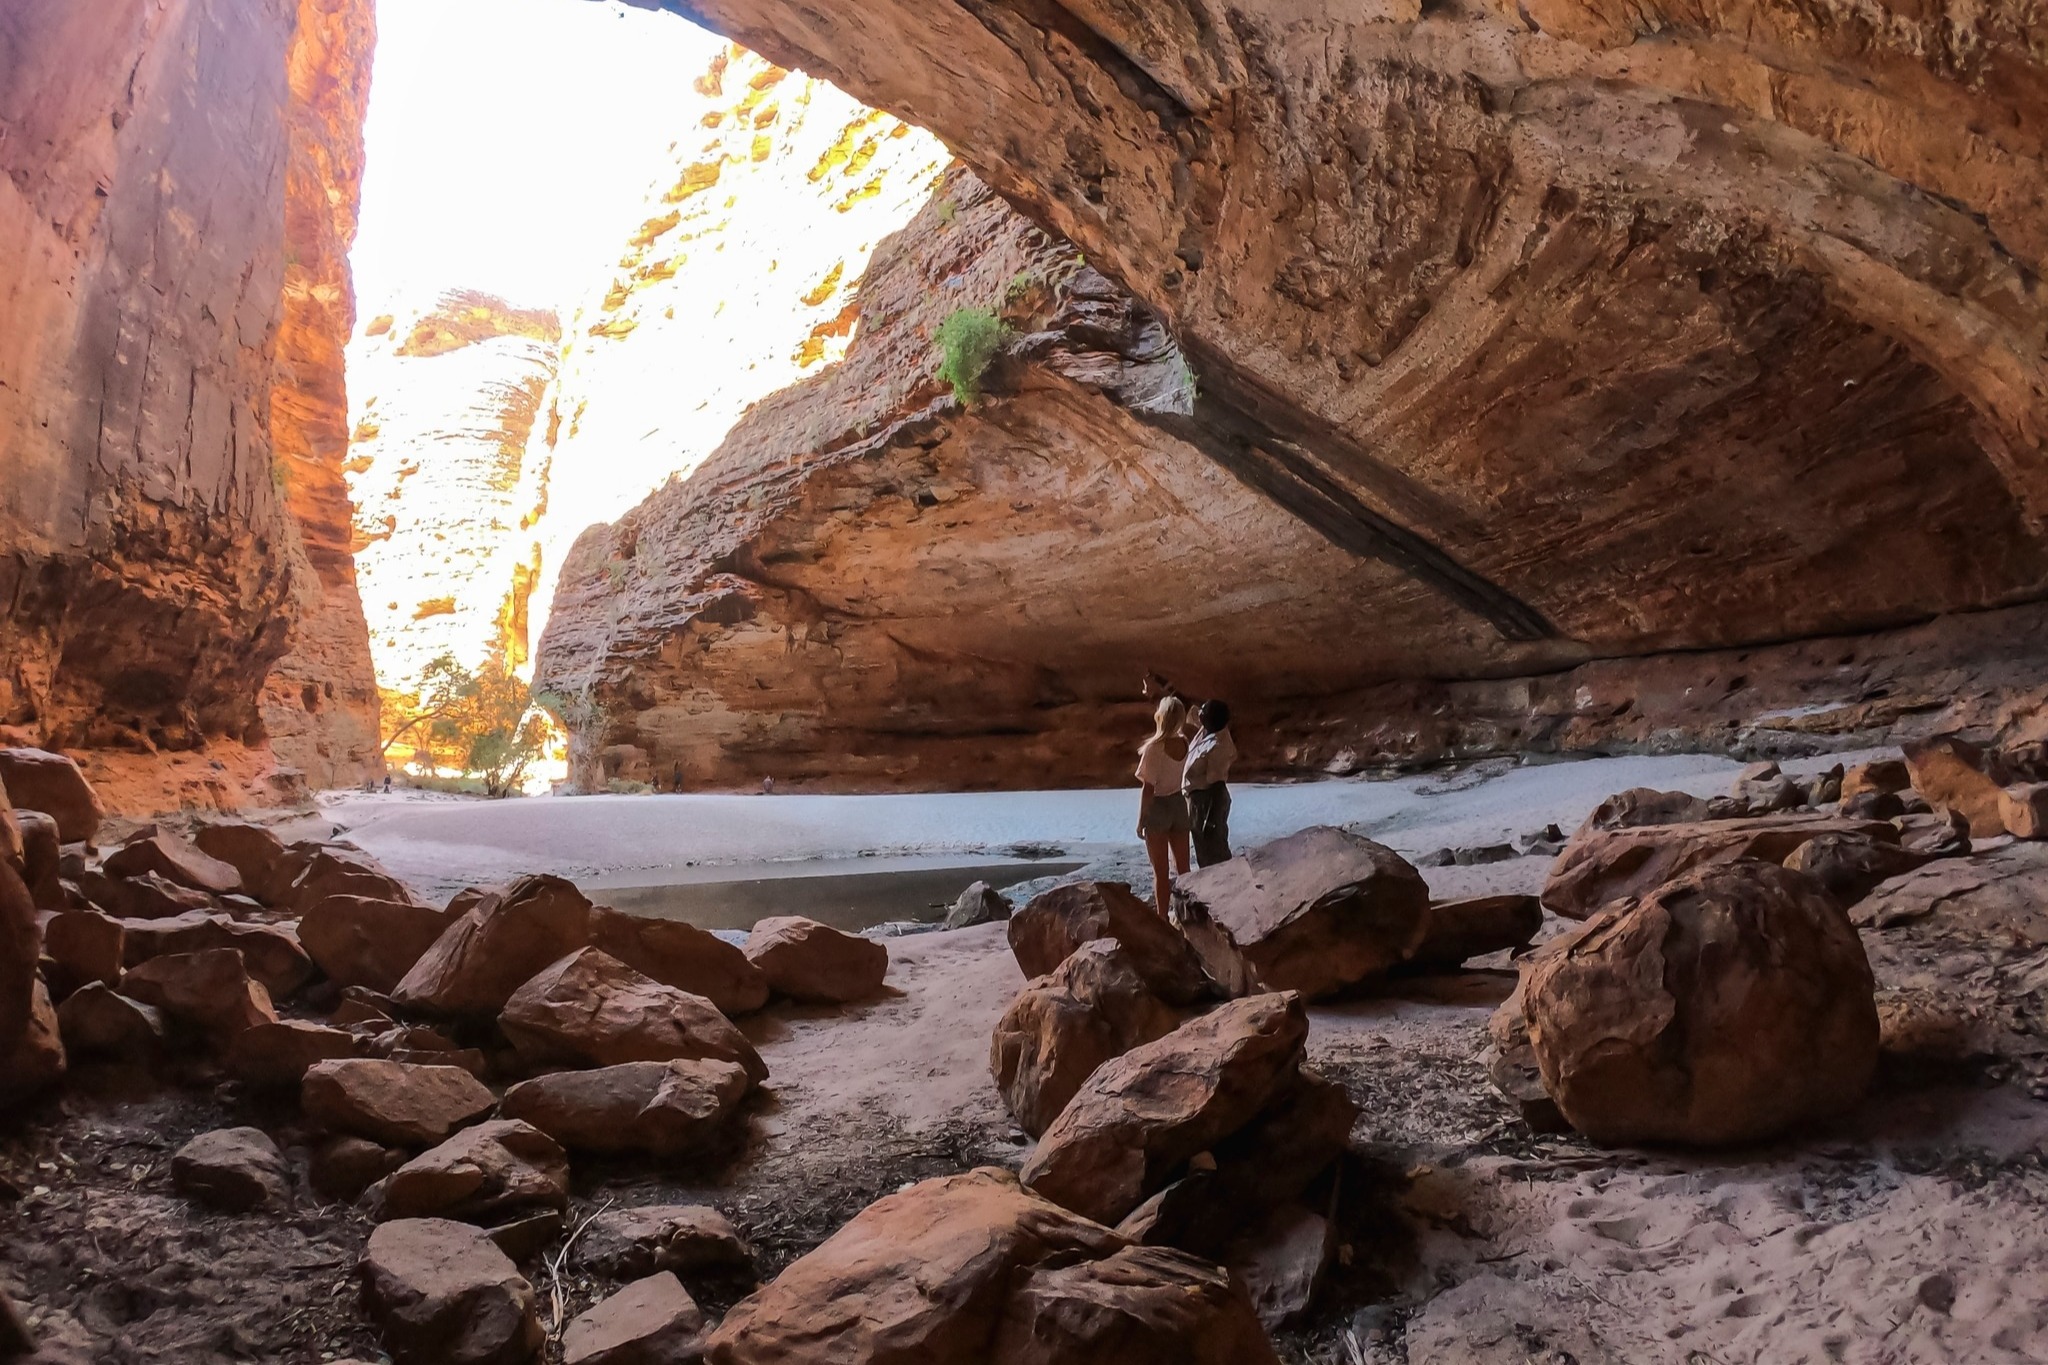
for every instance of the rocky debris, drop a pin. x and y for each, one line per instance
(1944, 833)
(1457, 930)
(1724, 1007)
(498, 1170)
(652, 1321)
(343, 1167)
(83, 946)
(443, 1294)
(683, 1108)
(1639, 806)
(271, 952)
(1056, 922)
(175, 860)
(1092, 1007)
(689, 1239)
(258, 857)
(499, 945)
(1872, 805)
(1965, 777)
(279, 1054)
(1281, 1259)
(400, 1103)
(42, 858)
(1762, 789)
(813, 963)
(321, 870)
(1851, 866)
(210, 989)
(2023, 810)
(683, 956)
(15, 1337)
(980, 903)
(1547, 842)
(1318, 912)
(1602, 866)
(36, 779)
(1511, 1065)
(35, 1060)
(232, 1169)
(373, 943)
(1881, 776)
(1482, 855)
(1139, 1118)
(974, 1268)
(590, 1007)
(1825, 789)
(97, 1021)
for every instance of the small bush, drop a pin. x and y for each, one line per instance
(968, 340)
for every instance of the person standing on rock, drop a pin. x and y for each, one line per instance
(1205, 781)
(1162, 810)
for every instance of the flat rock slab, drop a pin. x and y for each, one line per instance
(393, 1102)
(814, 963)
(442, 1293)
(686, 1238)
(683, 956)
(488, 1173)
(233, 1169)
(674, 1109)
(175, 860)
(592, 1008)
(652, 1321)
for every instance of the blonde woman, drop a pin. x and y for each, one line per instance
(1162, 809)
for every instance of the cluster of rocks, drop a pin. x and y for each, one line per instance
(453, 1058)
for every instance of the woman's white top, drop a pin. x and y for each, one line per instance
(1209, 759)
(1158, 768)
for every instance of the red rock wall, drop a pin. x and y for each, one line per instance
(156, 556)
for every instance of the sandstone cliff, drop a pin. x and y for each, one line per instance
(447, 499)
(178, 186)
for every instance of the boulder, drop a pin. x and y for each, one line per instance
(272, 952)
(1851, 866)
(1139, 1118)
(343, 1167)
(495, 1171)
(175, 860)
(235, 1170)
(147, 896)
(689, 1239)
(1048, 929)
(592, 1008)
(814, 963)
(12, 848)
(393, 1102)
(15, 1337)
(1280, 1259)
(683, 956)
(500, 945)
(523, 1238)
(1824, 789)
(1724, 1007)
(42, 859)
(322, 870)
(51, 783)
(83, 946)
(2023, 810)
(1640, 806)
(442, 1293)
(1317, 912)
(1764, 795)
(1457, 930)
(650, 1322)
(279, 1054)
(36, 1059)
(1092, 1007)
(96, 1021)
(683, 1108)
(210, 990)
(1870, 805)
(466, 900)
(1944, 833)
(1600, 866)
(974, 1270)
(20, 946)
(373, 943)
(1511, 1063)
(258, 857)
(980, 903)
(1884, 776)
(1963, 776)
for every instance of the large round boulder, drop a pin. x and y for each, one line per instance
(1055, 923)
(1724, 1007)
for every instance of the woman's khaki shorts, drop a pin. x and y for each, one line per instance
(1166, 815)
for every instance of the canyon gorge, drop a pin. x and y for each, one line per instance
(1431, 382)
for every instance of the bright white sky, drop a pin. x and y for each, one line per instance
(510, 143)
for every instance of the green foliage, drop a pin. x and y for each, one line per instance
(480, 723)
(968, 340)
(948, 210)
(1020, 285)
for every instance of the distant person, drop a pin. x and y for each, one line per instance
(1206, 779)
(767, 786)
(676, 784)
(1162, 810)
(387, 784)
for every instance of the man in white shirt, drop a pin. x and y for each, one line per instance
(1205, 779)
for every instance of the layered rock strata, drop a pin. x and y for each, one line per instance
(178, 195)
(1560, 335)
